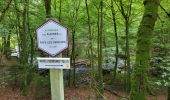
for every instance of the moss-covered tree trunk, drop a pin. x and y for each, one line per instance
(100, 87)
(8, 44)
(144, 37)
(3, 45)
(25, 48)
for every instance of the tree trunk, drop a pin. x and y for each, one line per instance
(90, 46)
(168, 93)
(126, 17)
(24, 47)
(8, 43)
(32, 49)
(144, 37)
(128, 79)
(18, 27)
(48, 8)
(100, 58)
(73, 57)
(116, 39)
(55, 6)
(4, 45)
(60, 8)
(74, 28)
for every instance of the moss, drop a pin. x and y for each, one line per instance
(138, 96)
(139, 77)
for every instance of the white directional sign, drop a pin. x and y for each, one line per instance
(54, 63)
(52, 37)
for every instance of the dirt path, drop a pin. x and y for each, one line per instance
(4, 66)
(7, 62)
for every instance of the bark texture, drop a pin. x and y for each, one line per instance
(144, 37)
(100, 88)
(90, 45)
(116, 38)
(48, 8)
(24, 48)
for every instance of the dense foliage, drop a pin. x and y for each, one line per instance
(101, 32)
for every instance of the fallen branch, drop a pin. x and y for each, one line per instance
(114, 92)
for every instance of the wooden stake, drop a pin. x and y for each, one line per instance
(57, 87)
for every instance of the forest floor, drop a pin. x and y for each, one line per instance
(13, 93)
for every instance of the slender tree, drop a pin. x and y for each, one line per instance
(116, 37)
(144, 37)
(60, 11)
(48, 8)
(168, 93)
(90, 44)
(32, 49)
(24, 46)
(8, 44)
(126, 15)
(74, 14)
(3, 44)
(18, 26)
(100, 55)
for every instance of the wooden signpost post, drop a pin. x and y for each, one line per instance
(52, 38)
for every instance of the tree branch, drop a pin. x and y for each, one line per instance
(168, 14)
(4, 10)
